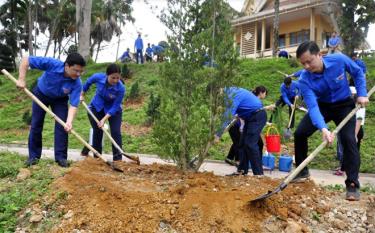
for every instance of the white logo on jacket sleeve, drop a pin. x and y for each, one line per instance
(66, 90)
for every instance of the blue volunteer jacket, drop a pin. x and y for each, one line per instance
(241, 102)
(138, 44)
(107, 97)
(53, 83)
(289, 93)
(331, 86)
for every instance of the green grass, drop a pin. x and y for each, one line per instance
(16, 195)
(13, 104)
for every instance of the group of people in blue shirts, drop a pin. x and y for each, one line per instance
(150, 52)
(60, 88)
(322, 83)
(324, 87)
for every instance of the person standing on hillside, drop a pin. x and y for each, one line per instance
(149, 53)
(138, 48)
(326, 92)
(106, 105)
(59, 83)
(289, 92)
(334, 43)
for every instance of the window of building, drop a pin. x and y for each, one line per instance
(282, 41)
(296, 38)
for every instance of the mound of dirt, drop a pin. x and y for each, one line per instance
(160, 198)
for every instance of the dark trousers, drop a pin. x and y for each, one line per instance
(115, 126)
(339, 148)
(139, 55)
(250, 149)
(148, 58)
(335, 112)
(281, 102)
(235, 135)
(59, 106)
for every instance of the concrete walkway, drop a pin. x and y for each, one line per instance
(322, 177)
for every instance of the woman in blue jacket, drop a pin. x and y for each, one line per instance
(106, 105)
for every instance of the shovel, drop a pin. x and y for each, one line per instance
(61, 122)
(134, 158)
(285, 183)
(288, 132)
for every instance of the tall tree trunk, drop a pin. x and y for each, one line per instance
(184, 138)
(97, 51)
(118, 45)
(276, 29)
(30, 24)
(83, 20)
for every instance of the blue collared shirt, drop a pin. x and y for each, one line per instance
(138, 44)
(53, 83)
(241, 102)
(334, 41)
(361, 64)
(107, 97)
(124, 56)
(289, 93)
(331, 86)
(149, 51)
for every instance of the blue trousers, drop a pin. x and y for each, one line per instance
(139, 55)
(115, 126)
(249, 150)
(59, 106)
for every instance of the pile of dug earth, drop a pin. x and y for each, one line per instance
(160, 198)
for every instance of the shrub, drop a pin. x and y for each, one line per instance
(134, 91)
(153, 108)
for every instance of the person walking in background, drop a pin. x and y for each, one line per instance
(326, 92)
(106, 105)
(334, 43)
(138, 48)
(149, 53)
(59, 83)
(359, 62)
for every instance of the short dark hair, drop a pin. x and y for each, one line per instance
(259, 89)
(113, 68)
(353, 55)
(310, 46)
(287, 81)
(75, 59)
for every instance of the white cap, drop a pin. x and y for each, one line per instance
(353, 90)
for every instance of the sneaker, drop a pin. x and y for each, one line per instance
(338, 173)
(62, 163)
(302, 176)
(352, 193)
(31, 162)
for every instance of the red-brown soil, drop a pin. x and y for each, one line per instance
(156, 198)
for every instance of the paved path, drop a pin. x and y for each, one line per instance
(322, 177)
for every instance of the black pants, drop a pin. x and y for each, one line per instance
(281, 102)
(249, 149)
(335, 112)
(237, 141)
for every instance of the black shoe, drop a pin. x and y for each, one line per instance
(230, 162)
(62, 163)
(85, 152)
(234, 174)
(30, 162)
(301, 176)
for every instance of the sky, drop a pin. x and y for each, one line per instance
(152, 30)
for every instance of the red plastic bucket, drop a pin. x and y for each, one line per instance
(273, 140)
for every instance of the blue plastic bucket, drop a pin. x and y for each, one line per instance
(285, 163)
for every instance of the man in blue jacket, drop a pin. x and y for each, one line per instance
(149, 53)
(326, 92)
(248, 107)
(334, 43)
(289, 92)
(59, 83)
(138, 47)
(359, 62)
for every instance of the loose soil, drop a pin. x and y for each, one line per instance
(135, 130)
(155, 198)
